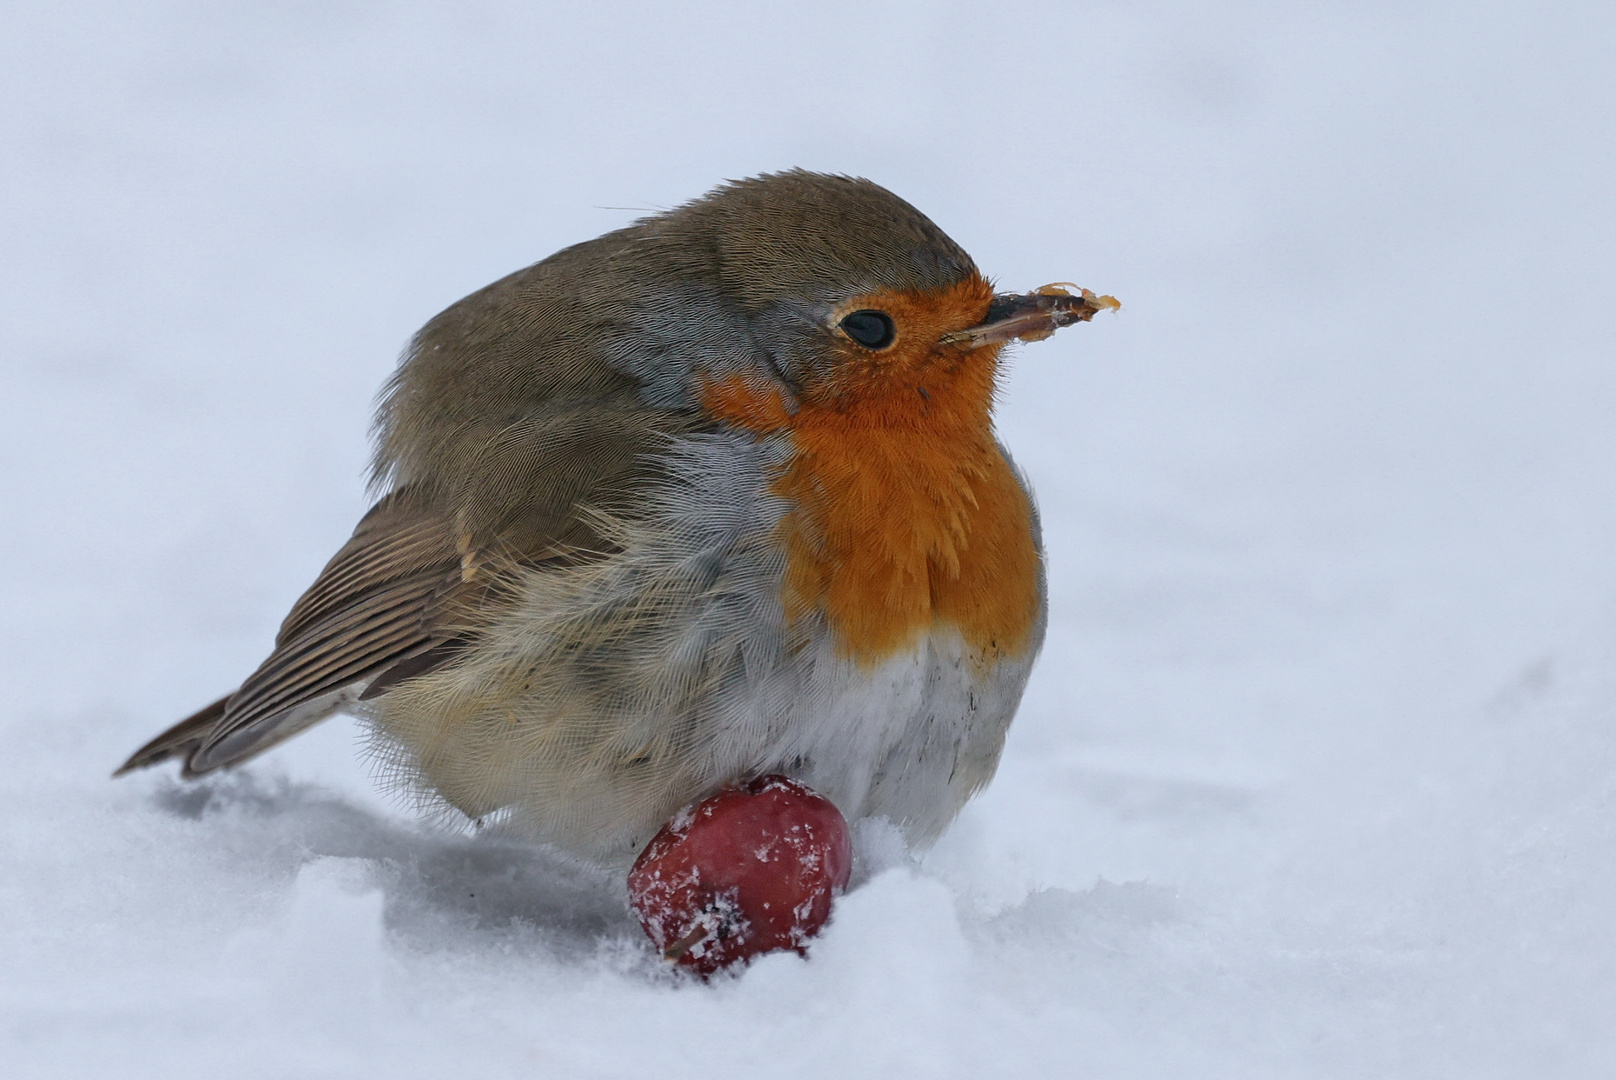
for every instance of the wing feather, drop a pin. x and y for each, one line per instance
(378, 602)
(333, 653)
(391, 604)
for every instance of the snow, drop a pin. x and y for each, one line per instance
(1315, 777)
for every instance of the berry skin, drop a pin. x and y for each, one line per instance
(744, 872)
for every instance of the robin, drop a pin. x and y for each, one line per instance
(711, 496)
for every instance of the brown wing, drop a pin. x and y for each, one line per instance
(387, 606)
(376, 607)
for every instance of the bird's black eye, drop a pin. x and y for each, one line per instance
(871, 329)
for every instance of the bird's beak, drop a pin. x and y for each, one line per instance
(1031, 316)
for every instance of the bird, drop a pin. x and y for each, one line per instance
(714, 495)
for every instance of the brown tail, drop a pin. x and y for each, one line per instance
(180, 741)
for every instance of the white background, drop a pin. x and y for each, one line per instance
(1315, 777)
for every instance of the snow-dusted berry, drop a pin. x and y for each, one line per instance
(747, 871)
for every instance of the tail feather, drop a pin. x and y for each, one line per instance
(181, 740)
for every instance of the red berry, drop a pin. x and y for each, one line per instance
(747, 871)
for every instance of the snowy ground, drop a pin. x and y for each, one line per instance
(1315, 778)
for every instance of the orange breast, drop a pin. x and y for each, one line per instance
(905, 514)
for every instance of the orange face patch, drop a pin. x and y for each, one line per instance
(905, 514)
